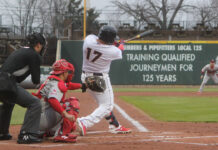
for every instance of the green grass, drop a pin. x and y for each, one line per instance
(181, 109)
(160, 89)
(164, 89)
(18, 115)
(203, 109)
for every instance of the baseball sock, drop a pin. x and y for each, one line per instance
(112, 120)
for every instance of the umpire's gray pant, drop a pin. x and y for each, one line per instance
(32, 116)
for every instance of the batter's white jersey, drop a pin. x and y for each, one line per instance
(97, 57)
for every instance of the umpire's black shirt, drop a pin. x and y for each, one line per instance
(23, 62)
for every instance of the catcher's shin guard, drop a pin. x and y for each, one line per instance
(72, 107)
(68, 126)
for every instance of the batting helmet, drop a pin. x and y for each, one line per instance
(62, 66)
(107, 34)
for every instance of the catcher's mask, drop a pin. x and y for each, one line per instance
(62, 66)
(107, 34)
(70, 72)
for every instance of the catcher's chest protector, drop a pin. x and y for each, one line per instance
(53, 87)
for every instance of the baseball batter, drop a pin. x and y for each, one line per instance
(208, 71)
(59, 114)
(98, 53)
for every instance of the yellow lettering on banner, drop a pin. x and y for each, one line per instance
(174, 42)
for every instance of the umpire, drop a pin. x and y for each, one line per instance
(21, 63)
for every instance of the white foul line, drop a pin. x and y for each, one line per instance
(140, 127)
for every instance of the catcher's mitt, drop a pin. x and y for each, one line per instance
(95, 83)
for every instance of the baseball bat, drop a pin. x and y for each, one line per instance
(140, 35)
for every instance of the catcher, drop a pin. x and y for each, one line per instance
(59, 114)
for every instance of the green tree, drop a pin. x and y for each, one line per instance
(92, 23)
(75, 12)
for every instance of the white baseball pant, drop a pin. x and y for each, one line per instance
(206, 78)
(105, 101)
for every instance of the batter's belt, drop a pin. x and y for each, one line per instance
(94, 74)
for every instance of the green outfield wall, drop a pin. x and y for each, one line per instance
(151, 62)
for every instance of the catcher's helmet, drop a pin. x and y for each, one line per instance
(62, 66)
(36, 38)
(107, 34)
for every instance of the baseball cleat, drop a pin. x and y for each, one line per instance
(72, 136)
(28, 139)
(5, 137)
(119, 130)
(199, 93)
(81, 127)
(64, 139)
